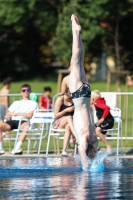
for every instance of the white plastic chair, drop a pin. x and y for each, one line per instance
(57, 135)
(12, 132)
(111, 98)
(37, 133)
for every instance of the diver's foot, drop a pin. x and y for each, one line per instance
(75, 24)
(109, 148)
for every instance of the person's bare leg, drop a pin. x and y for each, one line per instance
(101, 136)
(71, 125)
(66, 138)
(3, 128)
(67, 120)
(82, 70)
(74, 78)
(77, 74)
(82, 54)
(25, 127)
(64, 125)
(83, 75)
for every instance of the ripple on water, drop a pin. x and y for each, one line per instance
(103, 161)
(56, 178)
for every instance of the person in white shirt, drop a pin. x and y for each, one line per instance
(22, 109)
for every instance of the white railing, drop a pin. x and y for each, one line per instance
(122, 100)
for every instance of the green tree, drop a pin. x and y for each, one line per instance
(26, 30)
(104, 26)
(36, 33)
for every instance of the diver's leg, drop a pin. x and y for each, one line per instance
(82, 54)
(75, 76)
(83, 75)
(82, 70)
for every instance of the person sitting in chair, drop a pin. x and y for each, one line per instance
(63, 113)
(45, 102)
(22, 109)
(105, 119)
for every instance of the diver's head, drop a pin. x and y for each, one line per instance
(91, 152)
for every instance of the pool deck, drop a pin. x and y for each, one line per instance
(8, 155)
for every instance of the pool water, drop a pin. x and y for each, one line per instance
(63, 178)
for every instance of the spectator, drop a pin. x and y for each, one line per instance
(33, 97)
(45, 102)
(22, 109)
(63, 113)
(105, 119)
(130, 81)
(2, 112)
(4, 100)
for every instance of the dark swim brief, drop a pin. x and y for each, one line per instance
(83, 91)
(14, 123)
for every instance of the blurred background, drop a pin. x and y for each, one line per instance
(36, 42)
(35, 37)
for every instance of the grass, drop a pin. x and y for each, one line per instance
(37, 86)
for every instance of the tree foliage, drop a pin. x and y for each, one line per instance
(26, 29)
(106, 25)
(36, 33)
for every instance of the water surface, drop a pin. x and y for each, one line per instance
(63, 178)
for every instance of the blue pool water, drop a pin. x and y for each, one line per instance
(63, 178)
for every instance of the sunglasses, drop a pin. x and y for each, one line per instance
(26, 90)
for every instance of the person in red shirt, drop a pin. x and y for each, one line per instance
(45, 102)
(105, 119)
